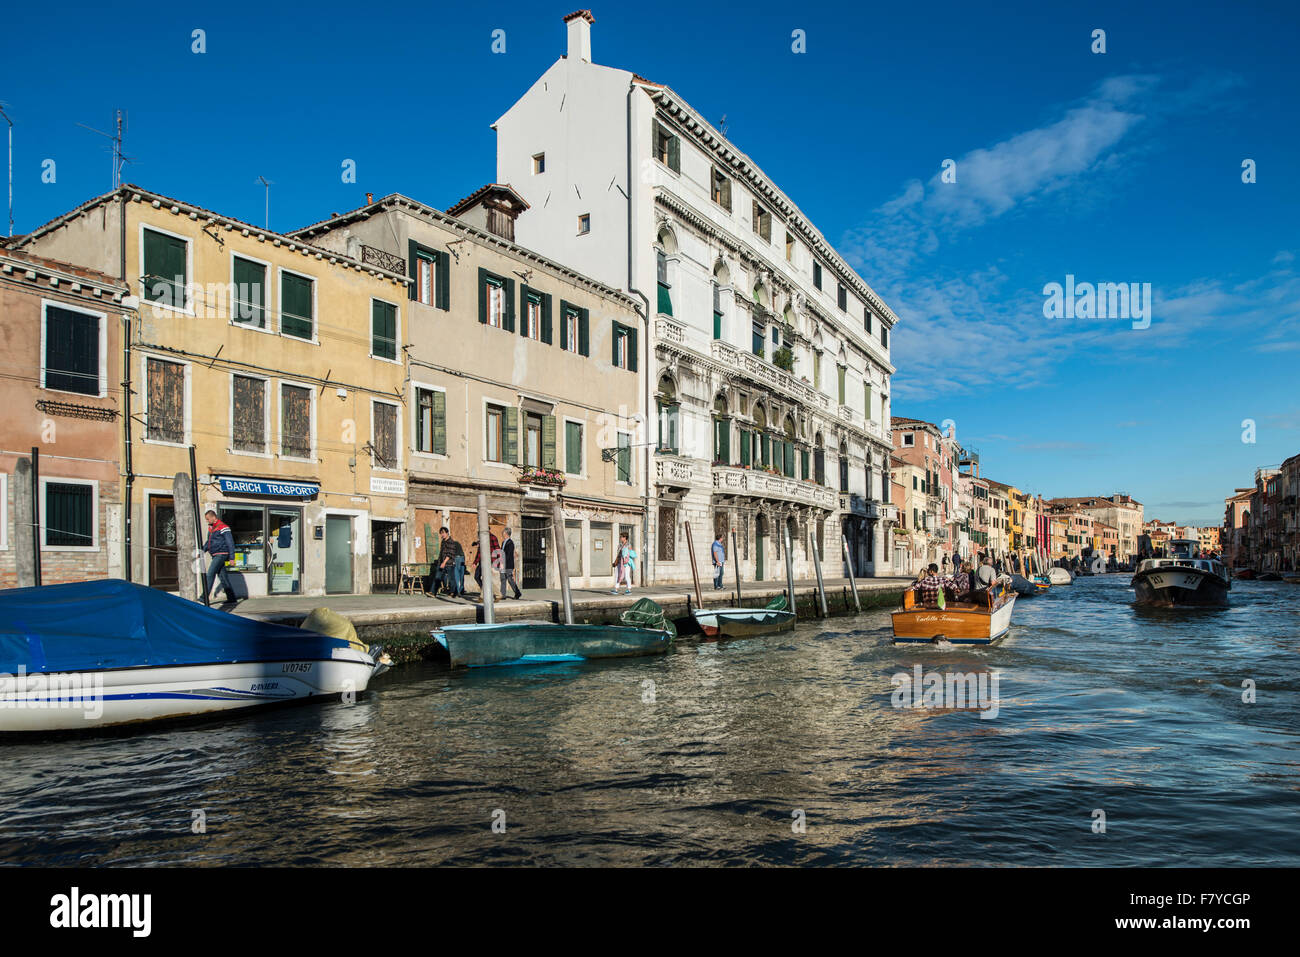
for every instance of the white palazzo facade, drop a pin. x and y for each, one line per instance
(764, 357)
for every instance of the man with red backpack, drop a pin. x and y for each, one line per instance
(221, 546)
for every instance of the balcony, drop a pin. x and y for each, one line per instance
(666, 330)
(676, 471)
(886, 512)
(728, 480)
(767, 374)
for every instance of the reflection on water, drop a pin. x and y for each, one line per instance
(707, 755)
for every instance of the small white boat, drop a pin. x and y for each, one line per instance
(745, 622)
(1060, 576)
(95, 654)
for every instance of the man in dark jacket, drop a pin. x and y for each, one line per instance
(221, 546)
(508, 576)
(451, 564)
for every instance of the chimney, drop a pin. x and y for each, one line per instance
(370, 198)
(580, 22)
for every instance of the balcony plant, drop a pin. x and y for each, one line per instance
(535, 475)
(783, 358)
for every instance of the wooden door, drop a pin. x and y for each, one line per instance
(162, 543)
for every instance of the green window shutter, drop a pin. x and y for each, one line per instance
(631, 348)
(624, 458)
(546, 319)
(295, 306)
(618, 328)
(164, 269)
(440, 423)
(573, 448)
(744, 447)
(508, 322)
(523, 310)
(583, 339)
(442, 277)
(717, 325)
(789, 459)
(675, 154)
(564, 325)
(383, 341)
(803, 464)
(412, 268)
(842, 371)
(482, 295)
(249, 305)
(665, 301)
(510, 454)
(723, 441)
(548, 441)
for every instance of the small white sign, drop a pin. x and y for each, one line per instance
(387, 486)
(536, 493)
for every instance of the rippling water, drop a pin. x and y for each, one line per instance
(1101, 707)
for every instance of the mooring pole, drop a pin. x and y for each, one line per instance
(695, 571)
(36, 516)
(198, 521)
(789, 570)
(817, 567)
(735, 564)
(848, 563)
(561, 560)
(485, 562)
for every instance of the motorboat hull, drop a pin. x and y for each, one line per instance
(541, 642)
(960, 623)
(742, 622)
(86, 700)
(1175, 586)
(1060, 576)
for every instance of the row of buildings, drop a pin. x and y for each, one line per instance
(632, 318)
(1261, 523)
(948, 508)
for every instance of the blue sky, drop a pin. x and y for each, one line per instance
(1117, 167)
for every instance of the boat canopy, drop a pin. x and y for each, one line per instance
(109, 624)
(646, 614)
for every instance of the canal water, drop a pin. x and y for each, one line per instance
(1120, 738)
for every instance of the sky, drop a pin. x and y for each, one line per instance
(1122, 166)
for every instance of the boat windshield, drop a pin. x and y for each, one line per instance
(1183, 548)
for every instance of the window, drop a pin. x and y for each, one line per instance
(164, 401)
(248, 414)
(165, 268)
(776, 335)
(842, 371)
(425, 268)
(661, 274)
(383, 444)
(721, 190)
(539, 163)
(532, 439)
(842, 298)
(625, 457)
(69, 514)
(624, 356)
(584, 224)
(496, 303)
(431, 274)
(496, 418)
(383, 329)
(667, 148)
(909, 439)
(668, 408)
(762, 221)
(573, 448)
(884, 335)
(789, 247)
(817, 370)
(531, 325)
(758, 339)
(295, 422)
(817, 274)
(570, 330)
(866, 401)
(296, 305)
(249, 300)
(74, 349)
(717, 311)
(866, 319)
(573, 329)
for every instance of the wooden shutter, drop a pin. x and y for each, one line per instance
(723, 441)
(523, 310)
(295, 421)
(508, 320)
(584, 342)
(439, 423)
(510, 450)
(164, 269)
(442, 277)
(482, 296)
(384, 443)
(71, 351)
(383, 331)
(546, 318)
(248, 414)
(613, 340)
(548, 441)
(631, 348)
(675, 154)
(789, 459)
(166, 397)
(413, 268)
(744, 447)
(572, 448)
(295, 306)
(249, 300)
(564, 325)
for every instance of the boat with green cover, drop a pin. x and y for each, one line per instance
(643, 629)
(745, 622)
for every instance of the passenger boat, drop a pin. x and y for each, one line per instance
(643, 630)
(96, 654)
(1182, 579)
(981, 622)
(1060, 576)
(745, 622)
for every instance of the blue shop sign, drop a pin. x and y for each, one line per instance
(246, 486)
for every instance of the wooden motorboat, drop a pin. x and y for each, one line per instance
(980, 622)
(745, 622)
(1244, 574)
(643, 630)
(1181, 580)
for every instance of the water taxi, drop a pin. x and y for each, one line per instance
(1181, 579)
(984, 621)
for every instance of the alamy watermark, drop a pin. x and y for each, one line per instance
(68, 690)
(976, 690)
(1103, 300)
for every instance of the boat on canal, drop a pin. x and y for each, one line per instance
(1181, 580)
(96, 654)
(643, 629)
(745, 622)
(1060, 576)
(984, 621)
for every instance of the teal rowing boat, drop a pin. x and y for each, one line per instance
(643, 630)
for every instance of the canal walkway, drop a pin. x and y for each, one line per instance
(403, 622)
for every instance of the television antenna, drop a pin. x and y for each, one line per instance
(11, 164)
(119, 158)
(267, 184)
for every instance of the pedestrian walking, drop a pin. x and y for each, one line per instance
(477, 564)
(624, 564)
(508, 574)
(451, 565)
(719, 554)
(221, 546)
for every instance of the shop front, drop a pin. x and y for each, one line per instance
(266, 521)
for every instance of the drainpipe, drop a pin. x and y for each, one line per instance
(646, 551)
(129, 477)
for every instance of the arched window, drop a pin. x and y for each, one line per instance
(762, 441)
(721, 432)
(786, 464)
(666, 246)
(668, 408)
(819, 460)
(844, 466)
(721, 278)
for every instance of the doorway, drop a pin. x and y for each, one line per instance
(385, 555)
(760, 535)
(162, 543)
(338, 554)
(532, 552)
